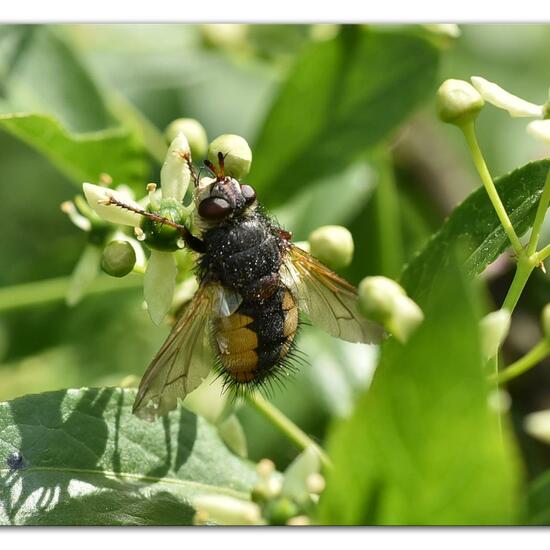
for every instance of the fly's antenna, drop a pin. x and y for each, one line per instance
(221, 163)
(212, 168)
(190, 240)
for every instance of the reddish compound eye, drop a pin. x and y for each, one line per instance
(248, 193)
(214, 208)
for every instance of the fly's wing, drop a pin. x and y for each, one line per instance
(183, 361)
(330, 302)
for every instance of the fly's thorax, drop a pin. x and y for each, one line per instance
(254, 342)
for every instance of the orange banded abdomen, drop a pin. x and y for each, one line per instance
(255, 340)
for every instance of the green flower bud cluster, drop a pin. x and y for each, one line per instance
(384, 301)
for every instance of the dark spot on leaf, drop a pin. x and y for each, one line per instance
(15, 461)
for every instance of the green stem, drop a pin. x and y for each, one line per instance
(523, 271)
(544, 201)
(469, 133)
(285, 425)
(535, 356)
(55, 290)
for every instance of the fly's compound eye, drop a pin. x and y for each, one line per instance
(248, 193)
(214, 208)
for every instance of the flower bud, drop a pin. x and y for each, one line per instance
(537, 425)
(405, 319)
(237, 155)
(332, 245)
(540, 129)
(98, 198)
(226, 510)
(118, 259)
(195, 133)
(377, 297)
(280, 511)
(494, 329)
(175, 174)
(383, 300)
(458, 102)
(545, 318)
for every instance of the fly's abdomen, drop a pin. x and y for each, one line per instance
(256, 339)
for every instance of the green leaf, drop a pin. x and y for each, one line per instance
(86, 460)
(342, 97)
(538, 500)
(82, 157)
(423, 446)
(50, 101)
(474, 226)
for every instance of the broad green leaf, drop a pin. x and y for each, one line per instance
(82, 157)
(342, 97)
(538, 501)
(474, 226)
(423, 446)
(42, 74)
(50, 101)
(86, 460)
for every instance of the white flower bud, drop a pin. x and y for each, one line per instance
(98, 197)
(237, 155)
(332, 245)
(406, 318)
(458, 102)
(540, 129)
(494, 329)
(226, 510)
(537, 425)
(159, 284)
(502, 99)
(175, 175)
(545, 319)
(195, 133)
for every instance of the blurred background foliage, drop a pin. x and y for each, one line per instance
(123, 84)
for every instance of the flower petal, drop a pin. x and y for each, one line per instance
(540, 129)
(84, 273)
(175, 175)
(159, 283)
(502, 99)
(95, 194)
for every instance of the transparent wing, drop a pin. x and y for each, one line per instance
(183, 361)
(329, 301)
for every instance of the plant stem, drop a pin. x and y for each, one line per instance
(55, 290)
(523, 271)
(537, 354)
(544, 201)
(469, 133)
(285, 425)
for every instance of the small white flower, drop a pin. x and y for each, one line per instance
(98, 198)
(175, 175)
(515, 106)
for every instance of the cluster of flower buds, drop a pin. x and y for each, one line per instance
(383, 300)
(276, 499)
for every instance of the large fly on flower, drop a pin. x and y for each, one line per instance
(253, 283)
